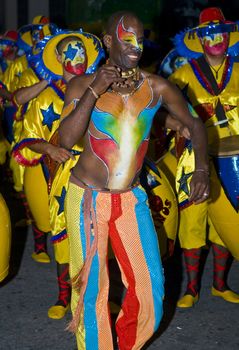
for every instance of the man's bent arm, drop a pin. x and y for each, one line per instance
(177, 106)
(25, 94)
(73, 126)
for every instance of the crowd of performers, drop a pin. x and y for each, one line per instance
(50, 76)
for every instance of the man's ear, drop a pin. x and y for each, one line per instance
(58, 56)
(107, 39)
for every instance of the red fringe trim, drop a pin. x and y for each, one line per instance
(21, 159)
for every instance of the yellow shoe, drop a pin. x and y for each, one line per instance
(41, 257)
(57, 311)
(227, 295)
(187, 301)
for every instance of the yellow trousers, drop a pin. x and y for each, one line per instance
(5, 238)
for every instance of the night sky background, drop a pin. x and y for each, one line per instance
(162, 18)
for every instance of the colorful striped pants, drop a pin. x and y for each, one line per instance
(126, 220)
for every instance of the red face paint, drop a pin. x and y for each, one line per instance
(128, 37)
(74, 58)
(215, 44)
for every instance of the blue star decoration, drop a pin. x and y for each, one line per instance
(183, 182)
(79, 45)
(60, 199)
(49, 116)
(70, 53)
(189, 146)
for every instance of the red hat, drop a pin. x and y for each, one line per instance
(211, 14)
(211, 21)
(11, 34)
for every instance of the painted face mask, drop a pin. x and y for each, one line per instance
(215, 44)
(37, 35)
(127, 36)
(6, 48)
(74, 58)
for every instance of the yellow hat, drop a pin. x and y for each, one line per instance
(211, 21)
(25, 34)
(46, 63)
(40, 20)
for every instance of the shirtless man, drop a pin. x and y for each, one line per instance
(104, 200)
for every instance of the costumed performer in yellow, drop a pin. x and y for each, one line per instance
(5, 238)
(64, 55)
(210, 83)
(28, 36)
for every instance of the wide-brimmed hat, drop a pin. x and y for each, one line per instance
(171, 62)
(211, 21)
(46, 63)
(40, 19)
(25, 33)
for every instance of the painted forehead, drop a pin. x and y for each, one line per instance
(125, 35)
(74, 48)
(215, 37)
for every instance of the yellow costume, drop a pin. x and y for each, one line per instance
(189, 78)
(10, 80)
(211, 90)
(28, 78)
(58, 189)
(5, 238)
(12, 74)
(40, 123)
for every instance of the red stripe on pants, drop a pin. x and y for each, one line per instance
(126, 325)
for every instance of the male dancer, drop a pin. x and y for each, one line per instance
(104, 199)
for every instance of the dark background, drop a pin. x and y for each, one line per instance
(162, 18)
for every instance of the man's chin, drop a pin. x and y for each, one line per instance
(216, 50)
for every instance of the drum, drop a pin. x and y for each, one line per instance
(163, 203)
(5, 239)
(225, 155)
(224, 193)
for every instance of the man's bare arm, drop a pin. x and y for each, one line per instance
(167, 121)
(74, 126)
(57, 153)
(25, 94)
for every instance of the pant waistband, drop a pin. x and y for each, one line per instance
(75, 180)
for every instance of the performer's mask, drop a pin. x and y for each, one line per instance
(74, 57)
(215, 44)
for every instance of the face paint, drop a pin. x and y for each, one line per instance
(215, 44)
(37, 35)
(7, 48)
(127, 36)
(74, 58)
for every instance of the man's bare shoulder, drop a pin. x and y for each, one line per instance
(158, 83)
(77, 86)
